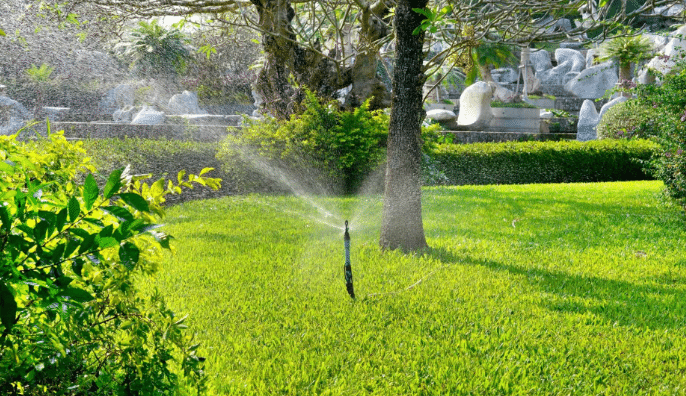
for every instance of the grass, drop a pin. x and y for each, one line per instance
(527, 290)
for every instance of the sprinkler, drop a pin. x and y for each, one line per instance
(347, 269)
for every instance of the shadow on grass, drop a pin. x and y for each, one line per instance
(654, 307)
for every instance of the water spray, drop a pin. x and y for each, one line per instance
(347, 269)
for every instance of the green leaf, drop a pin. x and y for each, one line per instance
(77, 294)
(135, 201)
(2, 32)
(74, 209)
(113, 183)
(90, 191)
(5, 219)
(105, 242)
(8, 307)
(60, 219)
(121, 213)
(129, 255)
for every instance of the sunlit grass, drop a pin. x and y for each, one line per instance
(530, 289)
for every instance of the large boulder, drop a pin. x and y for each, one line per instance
(13, 115)
(609, 104)
(677, 44)
(592, 83)
(588, 119)
(149, 116)
(568, 61)
(185, 103)
(540, 60)
(125, 115)
(446, 118)
(505, 75)
(475, 106)
(121, 96)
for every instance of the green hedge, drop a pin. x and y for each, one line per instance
(543, 162)
(161, 158)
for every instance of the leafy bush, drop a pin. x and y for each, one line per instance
(73, 321)
(668, 127)
(155, 50)
(623, 119)
(323, 149)
(543, 162)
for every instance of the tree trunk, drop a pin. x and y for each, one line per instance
(402, 210)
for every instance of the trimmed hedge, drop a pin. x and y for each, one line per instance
(161, 158)
(543, 162)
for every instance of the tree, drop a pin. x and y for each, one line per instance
(402, 225)
(307, 42)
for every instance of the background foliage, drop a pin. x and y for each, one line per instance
(543, 162)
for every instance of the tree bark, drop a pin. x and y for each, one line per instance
(402, 225)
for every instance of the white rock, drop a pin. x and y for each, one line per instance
(505, 75)
(568, 60)
(149, 116)
(124, 115)
(441, 115)
(677, 44)
(588, 119)
(590, 57)
(121, 96)
(592, 83)
(609, 104)
(541, 60)
(185, 103)
(659, 41)
(475, 106)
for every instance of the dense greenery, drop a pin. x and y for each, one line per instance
(543, 162)
(155, 50)
(668, 127)
(527, 290)
(322, 148)
(160, 158)
(622, 120)
(73, 322)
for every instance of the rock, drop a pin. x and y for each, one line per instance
(446, 118)
(56, 113)
(609, 104)
(659, 41)
(669, 10)
(475, 106)
(16, 109)
(124, 115)
(121, 96)
(592, 83)
(149, 116)
(590, 57)
(541, 60)
(505, 75)
(185, 103)
(677, 44)
(568, 60)
(561, 25)
(503, 94)
(588, 119)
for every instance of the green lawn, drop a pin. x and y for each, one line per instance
(528, 289)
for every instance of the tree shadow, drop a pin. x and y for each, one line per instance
(659, 306)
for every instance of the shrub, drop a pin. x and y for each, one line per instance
(71, 317)
(323, 149)
(543, 162)
(622, 120)
(668, 128)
